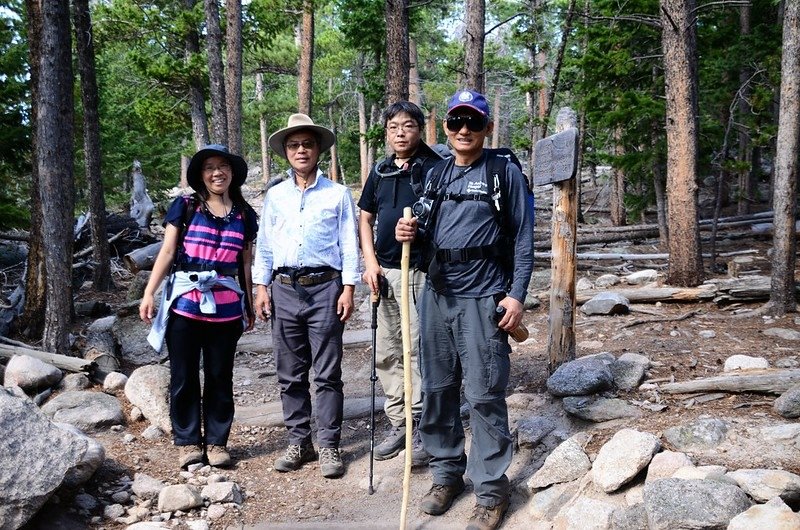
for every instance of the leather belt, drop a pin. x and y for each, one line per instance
(194, 267)
(308, 279)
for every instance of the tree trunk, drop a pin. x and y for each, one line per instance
(333, 171)
(553, 88)
(91, 140)
(306, 67)
(618, 215)
(782, 296)
(680, 77)
(473, 44)
(197, 99)
(362, 138)
(746, 188)
(32, 321)
(54, 157)
(432, 128)
(266, 171)
(233, 75)
(414, 88)
(216, 74)
(397, 49)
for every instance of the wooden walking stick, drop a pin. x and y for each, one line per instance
(405, 326)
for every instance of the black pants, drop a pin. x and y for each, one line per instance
(186, 338)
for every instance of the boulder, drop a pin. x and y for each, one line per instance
(88, 411)
(30, 374)
(148, 389)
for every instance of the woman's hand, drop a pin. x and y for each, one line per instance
(147, 308)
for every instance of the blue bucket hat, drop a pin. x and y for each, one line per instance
(194, 175)
(470, 99)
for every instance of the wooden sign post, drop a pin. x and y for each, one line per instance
(556, 162)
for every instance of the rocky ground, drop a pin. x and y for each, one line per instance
(679, 349)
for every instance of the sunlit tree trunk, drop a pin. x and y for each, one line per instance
(397, 60)
(56, 178)
(197, 99)
(680, 77)
(496, 114)
(216, 73)
(91, 141)
(782, 295)
(306, 67)
(473, 44)
(233, 74)
(266, 171)
(362, 138)
(32, 321)
(432, 127)
(414, 88)
(333, 171)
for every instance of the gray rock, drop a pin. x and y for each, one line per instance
(566, 463)
(666, 463)
(788, 432)
(121, 497)
(706, 333)
(198, 525)
(788, 404)
(30, 374)
(606, 303)
(146, 487)
(745, 362)
(774, 515)
(700, 472)
(580, 377)
(641, 277)
(585, 513)
(787, 362)
(148, 389)
(216, 512)
(765, 484)
(531, 431)
(545, 504)
(622, 457)
(222, 492)
(148, 525)
(782, 333)
(85, 502)
(179, 497)
(629, 370)
(72, 382)
(692, 504)
(90, 462)
(113, 511)
(584, 284)
(114, 382)
(152, 433)
(89, 411)
(630, 518)
(606, 280)
(45, 458)
(701, 433)
(131, 334)
(599, 409)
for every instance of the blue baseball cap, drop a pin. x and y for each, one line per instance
(470, 99)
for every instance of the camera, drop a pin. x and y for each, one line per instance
(422, 208)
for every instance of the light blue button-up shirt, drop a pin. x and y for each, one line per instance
(315, 227)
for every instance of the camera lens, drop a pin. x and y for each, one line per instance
(419, 209)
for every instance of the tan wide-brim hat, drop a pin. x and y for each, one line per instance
(299, 122)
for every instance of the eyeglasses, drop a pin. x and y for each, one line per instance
(294, 146)
(224, 167)
(394, 128)
(474, 123)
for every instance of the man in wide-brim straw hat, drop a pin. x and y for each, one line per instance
(307, 252)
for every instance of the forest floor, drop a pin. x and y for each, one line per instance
(303, 499)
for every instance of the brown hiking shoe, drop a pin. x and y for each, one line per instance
(294, 457)
(488, 517)
(440, 497)
(190, 454)
(218, 456)
(330, 462)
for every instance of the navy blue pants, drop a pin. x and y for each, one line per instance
(186, 339)
(306, 334)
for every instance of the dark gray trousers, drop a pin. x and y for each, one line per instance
(460, 340)
(306, 333)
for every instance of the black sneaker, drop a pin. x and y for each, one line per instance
(419, 456)
(391, 446)
(294, 457)
(440, 497)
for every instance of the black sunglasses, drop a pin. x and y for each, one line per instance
(474, 123)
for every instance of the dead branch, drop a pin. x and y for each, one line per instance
(660, 319)
(765, 381)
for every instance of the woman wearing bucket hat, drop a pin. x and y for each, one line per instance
(307, 251)
(207, 244)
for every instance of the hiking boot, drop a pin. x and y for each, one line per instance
(391, 446)
(218, 456)
(488, 517)
(440, 497)
(330, 462)
(294, 457)
(419, 456)
(190, 454)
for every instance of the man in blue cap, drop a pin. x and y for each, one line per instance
(474, 222)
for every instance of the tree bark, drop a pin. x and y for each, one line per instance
(397, 50)
(333, 170)
(414, 87)
(618, 214)
(680, 77)
(362, 137)
(233, 75)
(783, 297)
(306, 66)
(473, 44)
(91, 140)
(746, 182)
(216, 74)
(32, 321)
(56, 178)
(197, 99)
(266, 171)
(766, 381)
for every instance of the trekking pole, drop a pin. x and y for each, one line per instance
(376, 300)
(405, 326)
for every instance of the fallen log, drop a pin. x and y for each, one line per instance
(70, 364)
(654, 294)
(762, 381)
(142, 258)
